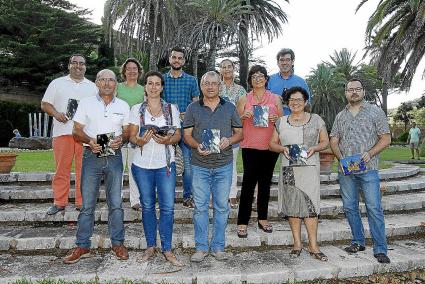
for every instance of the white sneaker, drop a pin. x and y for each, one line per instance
(198, 256)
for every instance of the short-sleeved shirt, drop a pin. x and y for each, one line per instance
(99, 118)
(277, 84)
(131, 95)
(181, 90)
(232, 93)
(224, 117)
(58, 94)
(358, 134)
(153, 156)
(415, 135)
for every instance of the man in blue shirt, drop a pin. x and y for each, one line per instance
(181, 89)
(285, 78)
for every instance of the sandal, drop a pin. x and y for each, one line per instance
(243, 233)
(233, 203)
(319, 255)
(147, 255)
(266, 228)
(171, 258)
(294, 253)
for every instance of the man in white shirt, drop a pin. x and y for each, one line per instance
(59, 101)
(97, 117)
(414, 140)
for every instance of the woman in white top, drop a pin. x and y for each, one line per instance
(155, 128)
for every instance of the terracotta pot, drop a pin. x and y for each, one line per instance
(7, 161)
(326, 161)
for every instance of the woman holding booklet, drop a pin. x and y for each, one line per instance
(300, 136)
(259, 110)
(155, 127)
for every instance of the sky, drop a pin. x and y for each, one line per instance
(314, 30)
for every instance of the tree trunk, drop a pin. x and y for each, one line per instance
(211, 55)
(384, 95)
(195, 63)
(243, 54)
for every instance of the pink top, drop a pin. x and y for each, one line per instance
(258, 137)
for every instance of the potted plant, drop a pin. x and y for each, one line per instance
(328, 100)
(7, 161)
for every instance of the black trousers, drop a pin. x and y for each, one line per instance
(258, 168)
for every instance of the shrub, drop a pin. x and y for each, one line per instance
(403, 137)
(422, 149)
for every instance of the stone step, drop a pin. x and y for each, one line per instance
(44, 192)
(36, 238)
(330, 208)
(396, 172)
(270, 266)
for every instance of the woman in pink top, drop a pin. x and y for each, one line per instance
(259, 110)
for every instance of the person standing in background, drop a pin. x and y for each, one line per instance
(414, 139)
(132, 93)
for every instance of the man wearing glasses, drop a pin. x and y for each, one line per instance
(211, 126)
(102, 116)
(362, 128)
(285, 79)
(181, 89)
(60, 101)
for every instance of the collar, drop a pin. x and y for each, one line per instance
(222, 101)
(363, 105)
(183, 74)
(290, 76)
(99, 98)
(68, 78)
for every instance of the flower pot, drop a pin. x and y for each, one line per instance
(7, 161)
(326, 161)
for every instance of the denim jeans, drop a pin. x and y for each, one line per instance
(94, 169)
(368, 183)
(206, 182)
(187, 172)
(153, 182)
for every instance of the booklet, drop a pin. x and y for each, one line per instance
(352, 164)
(161, 131)
(105, 141)
(211, 140)
(297, 155)
(71, 108)
(261, 116)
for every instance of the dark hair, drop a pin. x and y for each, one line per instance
(151, 74)
(124, 65)
(353, 80)
(227, 59)
(77, 54)
(294, 90)
(254, 69)
(285, 51)
(177, 49)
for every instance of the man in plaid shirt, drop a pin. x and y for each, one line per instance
(181, 89)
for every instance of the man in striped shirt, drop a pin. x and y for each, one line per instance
(362, 128)
(181, 89)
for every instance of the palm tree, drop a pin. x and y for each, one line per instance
(328, 89)
(395, 37)
(343, 62)
(265, 17)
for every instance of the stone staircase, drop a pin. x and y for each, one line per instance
(30, 240)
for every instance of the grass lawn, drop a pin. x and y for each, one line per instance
(42, 161)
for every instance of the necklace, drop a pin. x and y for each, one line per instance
(153, 117)
(297, 120)
(257, 98)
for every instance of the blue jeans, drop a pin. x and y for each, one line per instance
(147, 181)
(94, 169)
(368, 183)
(187, 172)
(206, 182)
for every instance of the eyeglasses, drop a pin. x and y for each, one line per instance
(299, 100)
(352, 90)
(106, 80)
(210, 84)
(177, 57)
(77, 63)
(284, 60)
(258, 77)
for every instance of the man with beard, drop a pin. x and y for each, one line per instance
(60, 101)
(181, 89)
(285, 79)
(362, 128)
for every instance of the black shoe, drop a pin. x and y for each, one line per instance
(54, 209)
(354, 248)
(382, 258)
(188, 203)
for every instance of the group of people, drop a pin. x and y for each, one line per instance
(148, 122)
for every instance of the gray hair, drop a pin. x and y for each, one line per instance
(210, 74)
(100, 73)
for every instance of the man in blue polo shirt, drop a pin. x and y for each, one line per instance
(181, 89)
(285, 78)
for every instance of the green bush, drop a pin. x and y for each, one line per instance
(403, 137)
(422, 149)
